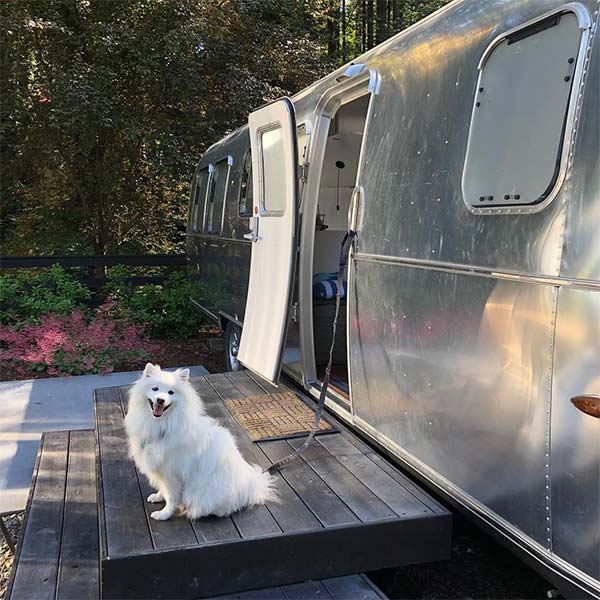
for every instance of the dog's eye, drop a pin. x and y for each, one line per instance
(155, 389)
(171, 392)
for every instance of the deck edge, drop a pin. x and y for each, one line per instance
(433, 542)
(17, 557)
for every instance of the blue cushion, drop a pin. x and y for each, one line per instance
(326, 290)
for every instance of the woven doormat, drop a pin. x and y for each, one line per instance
(274, 416)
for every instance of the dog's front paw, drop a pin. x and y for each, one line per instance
(154, 498)
(161, 515)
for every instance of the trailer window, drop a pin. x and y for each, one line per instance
(519, 125)
(197, 199)
(246, 194)
(215, 201)
(273, 179)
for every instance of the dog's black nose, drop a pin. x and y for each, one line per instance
(160, 401)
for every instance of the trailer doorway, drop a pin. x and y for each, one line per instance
(337, 183)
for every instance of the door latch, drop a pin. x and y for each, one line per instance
(295, 312)
(253, 235)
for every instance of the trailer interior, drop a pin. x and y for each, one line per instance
(338, 180)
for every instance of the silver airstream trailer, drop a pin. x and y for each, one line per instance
(465, 154)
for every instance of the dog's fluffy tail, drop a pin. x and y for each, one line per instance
(263, 486)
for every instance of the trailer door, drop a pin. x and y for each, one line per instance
(273, 237)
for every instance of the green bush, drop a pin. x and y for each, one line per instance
(25, 295)
(164, 309)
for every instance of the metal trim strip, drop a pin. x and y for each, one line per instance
(416, 263)
(207, 312)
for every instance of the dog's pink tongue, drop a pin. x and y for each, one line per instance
(157, 410)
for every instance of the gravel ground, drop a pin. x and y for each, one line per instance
(13, 524)
(479, 568)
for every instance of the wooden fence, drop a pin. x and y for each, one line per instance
(93, 279)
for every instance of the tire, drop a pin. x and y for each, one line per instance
(233, 334)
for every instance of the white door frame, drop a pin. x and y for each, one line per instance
(357, 81)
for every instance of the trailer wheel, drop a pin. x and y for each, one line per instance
(233, 335)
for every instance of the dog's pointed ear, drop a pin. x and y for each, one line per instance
(149, 370)
(183, 374)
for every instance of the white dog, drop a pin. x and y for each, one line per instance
(191, 460)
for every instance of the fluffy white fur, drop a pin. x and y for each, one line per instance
(191, 460)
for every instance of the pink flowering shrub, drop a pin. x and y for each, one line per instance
(73, 344)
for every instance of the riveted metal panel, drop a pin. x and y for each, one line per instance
(575, 438)
(413, 205)
(455, 369)
(581, 246)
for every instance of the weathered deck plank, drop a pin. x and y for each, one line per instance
(357, 587)
(348, 587)
(124, 512)
(378, 481)
(78, 575)
(307, 590)
(39, 549)
(363, 502)
(315, 492)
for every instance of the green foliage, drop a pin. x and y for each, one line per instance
(107, 105)
(25, 295)
(165, 309)
(74, 344)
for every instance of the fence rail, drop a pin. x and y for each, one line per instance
(148, 260)
(93, 279)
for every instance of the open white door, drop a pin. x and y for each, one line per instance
(273, 236)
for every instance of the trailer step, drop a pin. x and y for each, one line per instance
(343, 510)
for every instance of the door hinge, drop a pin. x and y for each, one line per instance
(295, 312)
(303, 172)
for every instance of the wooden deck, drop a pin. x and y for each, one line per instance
(343, 509)
(58, 551)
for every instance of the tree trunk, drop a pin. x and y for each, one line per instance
(343, 16)
(381, 33)
(397, 16)
(363, 25)
(370, 24)
(333, 35)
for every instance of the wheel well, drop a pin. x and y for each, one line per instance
(224, 318)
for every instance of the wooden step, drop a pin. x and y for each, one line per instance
(58, 551)
(343, 510)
